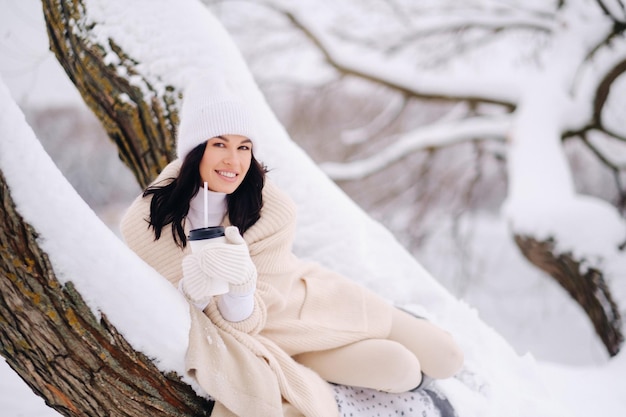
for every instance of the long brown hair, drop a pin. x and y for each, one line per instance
(170, 201)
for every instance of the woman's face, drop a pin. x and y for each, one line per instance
(225, 162)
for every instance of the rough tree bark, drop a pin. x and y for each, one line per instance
(140, 124)
(80, 365)
(585, 285)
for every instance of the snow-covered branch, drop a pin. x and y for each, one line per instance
(377, 68)
(477, 19)
(431, 136)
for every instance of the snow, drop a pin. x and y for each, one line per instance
(579, 383)
(35, 75)
(79, 248)
(498, 381)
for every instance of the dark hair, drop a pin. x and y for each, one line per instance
(170, 202)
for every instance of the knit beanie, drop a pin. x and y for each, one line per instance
(210, 109)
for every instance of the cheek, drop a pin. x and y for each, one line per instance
(247, 163)
(206, 166)
(246, 169)
(205, 172)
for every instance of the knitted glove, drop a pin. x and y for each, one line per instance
(230, 262)
(196, 285)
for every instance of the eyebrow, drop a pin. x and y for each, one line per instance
(247, 140)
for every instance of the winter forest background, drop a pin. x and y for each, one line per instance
(409, 106)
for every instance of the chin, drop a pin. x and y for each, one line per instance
(229, 190)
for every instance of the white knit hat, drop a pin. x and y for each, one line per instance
(209, 109)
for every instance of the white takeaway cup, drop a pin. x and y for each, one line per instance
(201, 238)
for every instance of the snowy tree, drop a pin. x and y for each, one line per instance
(71, 356)
(78, 363)
(512, 84)
(137, 117)
(78, 307)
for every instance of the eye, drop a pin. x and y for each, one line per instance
(219, 144)
(244, 147)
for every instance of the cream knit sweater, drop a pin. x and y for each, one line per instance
(299, 307)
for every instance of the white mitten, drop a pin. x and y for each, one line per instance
(230, 262)
(196, 284)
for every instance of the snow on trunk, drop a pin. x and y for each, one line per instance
(542, 204)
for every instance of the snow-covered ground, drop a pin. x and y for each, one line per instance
(512, 298)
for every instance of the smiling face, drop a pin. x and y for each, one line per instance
(225, 162)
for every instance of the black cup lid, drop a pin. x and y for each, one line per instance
(206, 233)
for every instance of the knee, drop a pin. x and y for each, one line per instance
(451, 359)
(457, 358)
(402, 369)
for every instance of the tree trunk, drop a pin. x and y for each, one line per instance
(141, 124)
(585, 285)
(80, 365)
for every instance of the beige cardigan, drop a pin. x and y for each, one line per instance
(299, 307)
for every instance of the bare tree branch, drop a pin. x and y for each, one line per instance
(614, 9)
(604, 87)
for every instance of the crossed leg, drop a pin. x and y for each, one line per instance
(380, 364)
(436, 349)
(394, 364)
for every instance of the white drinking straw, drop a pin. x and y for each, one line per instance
(206, 204)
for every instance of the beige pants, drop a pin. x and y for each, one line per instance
(394, 364)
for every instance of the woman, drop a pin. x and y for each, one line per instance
(295, 315)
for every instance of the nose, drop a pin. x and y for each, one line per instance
(231, 157)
